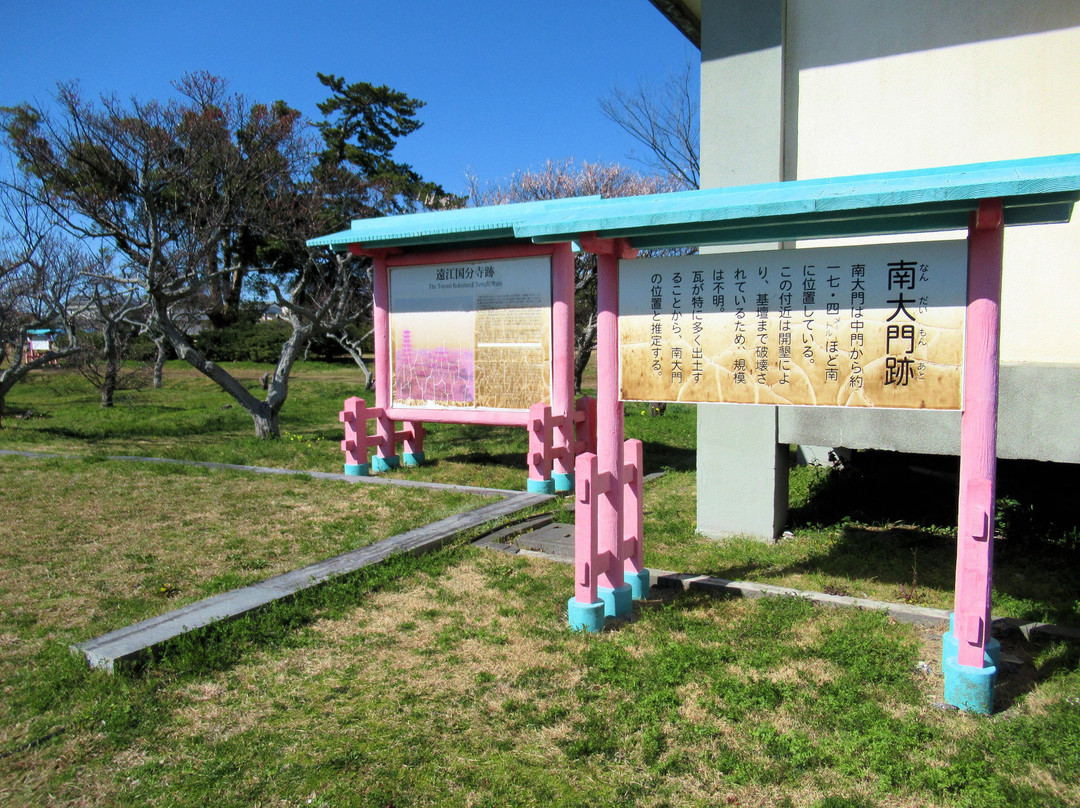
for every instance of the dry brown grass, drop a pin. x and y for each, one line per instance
(112, 532)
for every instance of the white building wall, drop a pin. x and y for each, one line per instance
(869, 86)
(934, 104)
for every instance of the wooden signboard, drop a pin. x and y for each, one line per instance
(471, 335)
(864, 326)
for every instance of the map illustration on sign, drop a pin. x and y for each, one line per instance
(866, 326)
(434, 374)
(472, 335)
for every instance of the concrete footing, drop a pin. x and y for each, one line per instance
(618, 602)
(969, 688)
(586, 616)
(563, 482)
(357, 469)
(384, 463)
(639, 583)
(540, 486)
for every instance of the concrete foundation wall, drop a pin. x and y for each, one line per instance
(1031, 398)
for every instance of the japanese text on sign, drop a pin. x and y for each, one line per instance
(471, 335)
(871, 326)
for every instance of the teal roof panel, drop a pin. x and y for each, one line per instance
(495, 223)
(1037, 191)
(1033, 191)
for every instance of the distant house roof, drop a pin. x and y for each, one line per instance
(1033, 191)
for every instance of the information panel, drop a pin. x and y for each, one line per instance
(472, 335)
(867, 326)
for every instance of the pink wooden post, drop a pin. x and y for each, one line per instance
(634, 571)
(539, 460)
(412, 453)
(385, 456)
(614, 591)
(562, 365)
(354, 417)
(585, 425)
(969, 654)
(585, 610)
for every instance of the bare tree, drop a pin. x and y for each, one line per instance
(114, 314)
(562, 179)
(663, 119)
(164, 184)
(40, 275)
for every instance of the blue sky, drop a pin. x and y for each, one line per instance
(507, 84)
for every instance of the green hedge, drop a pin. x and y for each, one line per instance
(255, 342)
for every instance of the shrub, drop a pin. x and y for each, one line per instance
(254, 342)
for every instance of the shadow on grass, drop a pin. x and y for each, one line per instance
(1030, 664)
(896, 514)
(660, 456)
(511, 460)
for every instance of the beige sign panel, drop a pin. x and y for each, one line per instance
(867, 326)
(471, 335)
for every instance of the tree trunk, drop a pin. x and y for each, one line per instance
(112, 365)
(581, 361)
(263, 413)
(354, 347)
(159, 361)
(584, 343)
(108, 385)
(266, 423)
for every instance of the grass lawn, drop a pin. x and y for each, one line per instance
(452, 679)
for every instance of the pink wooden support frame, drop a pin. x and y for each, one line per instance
(357, 441)
(608, 534)
(354, 417)
(609, 411)
(541, 432)
(384, 426)
(586, 550)
(555, 437)
(633, 515)
(978, 436)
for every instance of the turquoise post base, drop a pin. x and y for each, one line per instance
(412, 458)
(950, 648)
(540, 486)
(563, 482)
(586, 616)
(969, 688)
(639, 584)
(357, 469)
(618, 602)
(385, 463)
